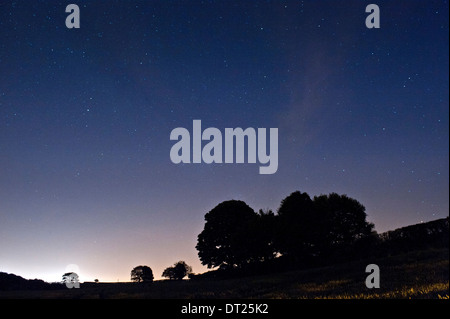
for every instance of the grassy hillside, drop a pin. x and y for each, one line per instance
(420, 274)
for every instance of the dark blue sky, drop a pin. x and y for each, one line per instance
(86, 114)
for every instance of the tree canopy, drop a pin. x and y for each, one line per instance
(303, 229)
(313, 228)
(142, 274)
(178, 271)
(224, 240)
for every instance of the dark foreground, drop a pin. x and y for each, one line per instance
(421, 274)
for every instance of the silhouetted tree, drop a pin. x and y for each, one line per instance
(315, 229)
(142, 274)
(224, 240)
(261, 236)
(178, 271)
(345, 221)
(298, 226)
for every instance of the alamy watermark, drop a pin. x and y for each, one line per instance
(73, 19)
(233, 145)
(373, 280)
(373, 19)
(70, 277)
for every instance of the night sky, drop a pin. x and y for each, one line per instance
(86, 114)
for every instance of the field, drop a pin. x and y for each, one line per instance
(422, 274)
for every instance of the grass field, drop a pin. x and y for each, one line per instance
(422, 274)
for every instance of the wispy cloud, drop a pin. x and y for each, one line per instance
(312, 88)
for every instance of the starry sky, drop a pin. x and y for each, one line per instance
(86, 114)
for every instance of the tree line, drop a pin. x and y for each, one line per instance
(304, 232)
(145, 274)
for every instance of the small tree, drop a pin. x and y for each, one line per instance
(142, 274)
(178, 271)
